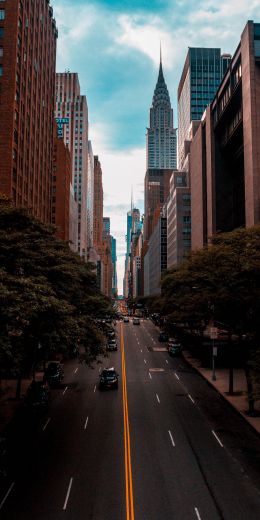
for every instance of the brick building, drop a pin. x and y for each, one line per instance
(61, 189)
(156, 192)
(28, 37)
(225, 158)
(98, 206)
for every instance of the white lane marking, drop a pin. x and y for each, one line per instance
(75, 371)
(150, 375)
(219, 441)
(95, 388)
(171, 437)
(145, 361)
(192, 400)
(197, 513)
(68, 494)
(65, 390)
(99, 369)
(157, 397)
(7, 495)
(86, 423)
(166, 361)
(141, 350)
(176, 375)
(46, 424)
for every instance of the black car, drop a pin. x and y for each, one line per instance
(111, 344)
(37, 395)
(54, 373)
(108, 379)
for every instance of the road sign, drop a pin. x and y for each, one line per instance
(215, 351)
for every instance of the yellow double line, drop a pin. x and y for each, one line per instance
(130, 515)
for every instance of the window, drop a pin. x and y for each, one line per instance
(1, 32)
(1, 50)
(2, 14)
(1, 70)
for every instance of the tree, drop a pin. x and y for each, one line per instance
(220, 283)
(48, 294)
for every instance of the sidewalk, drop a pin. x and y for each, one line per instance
(8, 403)
(239, 400)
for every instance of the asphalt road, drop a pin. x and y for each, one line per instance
(164, 446)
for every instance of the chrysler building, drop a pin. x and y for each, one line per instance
(161, 139)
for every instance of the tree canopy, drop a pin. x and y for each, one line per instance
(48, 295)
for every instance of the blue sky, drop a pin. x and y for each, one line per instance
(114, 47)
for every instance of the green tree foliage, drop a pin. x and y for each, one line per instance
(48, 295)
(220, 283)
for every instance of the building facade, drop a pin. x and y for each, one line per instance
(98, 205)
(156, 192)
(178, 219)
(90, 199)
(155, 261)
(225, 159)
(61, 186)
(71, 105)
(201, 76)
(27, 96)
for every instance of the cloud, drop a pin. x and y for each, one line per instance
(145, 36)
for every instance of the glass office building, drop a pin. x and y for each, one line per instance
(201, 76)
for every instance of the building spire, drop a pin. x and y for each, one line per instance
(161, 76)
(132, 198)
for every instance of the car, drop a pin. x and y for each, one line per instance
(163, 336)
(174, 348)
(111, 335)
(126, 319)
(54, 373)
(108, 379)
(136, 321)
(111, 344)
(37, 395)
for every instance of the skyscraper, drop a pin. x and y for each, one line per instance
(161, 154)
(72, 105)
(161, 140)
(201, 76)
(27, 90)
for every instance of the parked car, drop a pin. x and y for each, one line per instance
(174, 348)
(111, 344)
(54, 373)
(126, 319)
(108, 379)
(163, 336)
(136, 321)
(37, 395)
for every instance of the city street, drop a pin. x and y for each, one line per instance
(163, 446)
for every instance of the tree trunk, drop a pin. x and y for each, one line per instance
(251, 400)
(18, 388)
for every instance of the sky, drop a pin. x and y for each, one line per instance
(114, 46)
